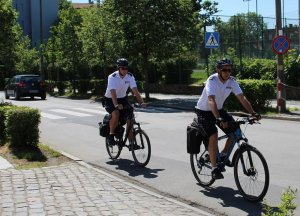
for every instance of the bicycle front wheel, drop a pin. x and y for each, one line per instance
(201, 168)
(113, 151)
(141, 149)
(251, 174)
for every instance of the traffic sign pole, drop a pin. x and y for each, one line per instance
(280, 76)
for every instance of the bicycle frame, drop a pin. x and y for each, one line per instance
(130, 128)
(237, 137)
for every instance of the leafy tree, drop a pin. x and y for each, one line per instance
(154, 33)
(16, 55)
(65, 43)
(27, 58)
(243, 33)
(8, 33)
(100, 43)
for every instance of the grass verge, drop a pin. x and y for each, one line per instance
(28, 157)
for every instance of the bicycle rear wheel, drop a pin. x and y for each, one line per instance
(113, 151)
(141, 150)
(251, 174)
(201, 168)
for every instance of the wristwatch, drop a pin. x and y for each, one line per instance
(219, 120)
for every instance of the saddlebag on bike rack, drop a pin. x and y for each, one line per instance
(194, 137)
(104, 126)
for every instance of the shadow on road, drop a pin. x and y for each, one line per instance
(134, 170)
(232, 198)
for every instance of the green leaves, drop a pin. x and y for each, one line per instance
(287, 206)
(86, 42)
(16, 55)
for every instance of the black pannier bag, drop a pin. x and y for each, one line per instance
(104, 126)
(195, 136)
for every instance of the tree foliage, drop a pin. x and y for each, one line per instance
(65, 43)
(27, 58)
(7, 38)
(160, 39)
(242, 32)
(16, 55)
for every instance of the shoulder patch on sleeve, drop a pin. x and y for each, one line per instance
(212, 78)
(130, 74)
(114, 74)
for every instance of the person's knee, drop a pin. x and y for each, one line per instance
(213, 139)
(115, 114)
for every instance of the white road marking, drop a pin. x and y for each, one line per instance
(91, 111)
(68, 112)
(51, 116)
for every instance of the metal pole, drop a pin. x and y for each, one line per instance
(299, 23)
(256, 7)
(41, 41)
(257, 26)
(281, 103)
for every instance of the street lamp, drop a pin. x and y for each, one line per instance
(41, 40)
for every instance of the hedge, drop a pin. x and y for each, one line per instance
(22, 126)
(258, 92)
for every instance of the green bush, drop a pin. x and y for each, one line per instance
(3, 109)
(292, 68)
(50, 84)
(258, 92)
(258, 69)
(98, 86)
(22, 126)
(287, 206)
(62, 86)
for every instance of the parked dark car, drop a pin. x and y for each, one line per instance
(25, 85)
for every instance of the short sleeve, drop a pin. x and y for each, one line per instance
(210, 87)
(111, 84)
(236, 89)
(132, 82)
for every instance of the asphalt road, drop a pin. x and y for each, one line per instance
(71, 126)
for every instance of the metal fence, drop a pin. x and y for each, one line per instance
(256, 40)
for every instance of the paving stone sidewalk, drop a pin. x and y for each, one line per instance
(79, 189)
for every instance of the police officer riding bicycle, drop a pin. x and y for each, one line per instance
(210, 112)
(116, 97)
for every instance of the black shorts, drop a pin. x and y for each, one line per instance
(208, 121)
(110, 107)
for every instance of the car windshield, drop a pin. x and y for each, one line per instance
(29, 79)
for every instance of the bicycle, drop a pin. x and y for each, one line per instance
(251, 171)
(140, 147)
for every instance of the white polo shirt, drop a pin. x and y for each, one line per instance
(121, 85)
(220, 90)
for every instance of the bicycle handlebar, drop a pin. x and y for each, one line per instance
(249, 119)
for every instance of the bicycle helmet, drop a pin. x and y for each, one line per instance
(122, 62)
(223, 62)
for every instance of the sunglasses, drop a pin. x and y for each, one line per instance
(123, 68)
(226, 70)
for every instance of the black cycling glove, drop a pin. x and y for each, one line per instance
(219, 121)
(256, 115)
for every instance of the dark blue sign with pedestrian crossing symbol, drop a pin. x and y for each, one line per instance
(212, 40)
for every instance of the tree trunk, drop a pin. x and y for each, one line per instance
(146, 71)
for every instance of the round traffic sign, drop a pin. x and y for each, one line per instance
(281, 44)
